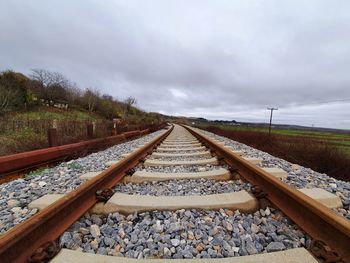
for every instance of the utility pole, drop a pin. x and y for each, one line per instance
(271, 109)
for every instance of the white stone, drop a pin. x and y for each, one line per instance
(217, 174)
(42, 184)
(333, 185)
(12, 203)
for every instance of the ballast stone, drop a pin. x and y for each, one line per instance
(45, 201)
(217, 174)
(295, 255)
(125, 203)
(326, 198)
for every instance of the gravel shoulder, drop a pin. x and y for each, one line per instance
(182, 187)
(16, 195)
(298, 176)
(179, 168)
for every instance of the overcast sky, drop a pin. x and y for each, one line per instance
(215, 59)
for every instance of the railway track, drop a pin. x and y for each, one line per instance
(182, 195)
(18, 165)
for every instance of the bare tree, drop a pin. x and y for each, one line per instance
(90, 98)
(53, 85)
(128, 103)
(74, 94)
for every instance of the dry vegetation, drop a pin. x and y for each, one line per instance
(319, 155)
(30, 105)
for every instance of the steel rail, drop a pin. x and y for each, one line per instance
(12, 166)
(320, 222)
(18, 244)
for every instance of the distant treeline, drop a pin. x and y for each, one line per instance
(52, 89)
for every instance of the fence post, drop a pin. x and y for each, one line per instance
(114, 131)
(52, 137)
(93, 128)
(90, 130)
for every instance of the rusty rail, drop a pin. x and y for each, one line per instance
(18, 244)
(20, 162)
(320, 222)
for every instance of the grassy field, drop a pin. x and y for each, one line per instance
(325, 152)
(341, 140)
(24, 131)
(46, 113)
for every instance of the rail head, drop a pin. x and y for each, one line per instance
(18, 244)
(317, 220)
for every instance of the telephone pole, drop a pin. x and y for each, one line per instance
(271, 109)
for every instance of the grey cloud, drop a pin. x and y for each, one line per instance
(227, 59)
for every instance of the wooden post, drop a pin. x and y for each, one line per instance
(114, 131)
(93, 128)
(90, 130)
(52, 137)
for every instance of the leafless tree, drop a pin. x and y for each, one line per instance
(90, 98)
(53, 85)
(74, 94)
(128, 103)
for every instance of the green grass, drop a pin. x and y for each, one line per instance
(23, 140)
(74, 166)
(50, 114)
(342, 140)
(291, 132)
(35, 173)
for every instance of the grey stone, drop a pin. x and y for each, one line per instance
(175, 242)
(275, 246)
(187, 253)
(109, 241)
(65, 239)
(249, 246)
(133, 238)
(254, 228)
(188, 213)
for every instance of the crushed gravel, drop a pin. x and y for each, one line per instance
(17, 194)
(183, 187)
(298, 176)
(184, 234)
